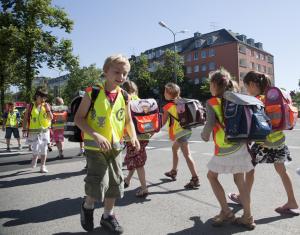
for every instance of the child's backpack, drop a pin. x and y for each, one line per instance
(59, 116)
(191, 113)
(244, 117)
(145, 116)
(280, 109)
(73, 132)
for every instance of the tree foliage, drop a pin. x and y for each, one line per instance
(79, 79)
(33, 42)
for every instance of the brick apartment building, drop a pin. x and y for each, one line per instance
(207, 52)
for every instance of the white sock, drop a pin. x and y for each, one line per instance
(107, 213)
(88, 206)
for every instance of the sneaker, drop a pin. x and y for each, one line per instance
(20, 147)
(43, 169)
(87, 218)
(33, 162)
(112, 224)
(49, 148)
(8, 149)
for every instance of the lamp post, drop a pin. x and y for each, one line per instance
(162, 24)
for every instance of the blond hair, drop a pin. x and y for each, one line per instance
(116, 59)
(172, 89)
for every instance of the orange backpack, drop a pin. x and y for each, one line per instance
(279, 107)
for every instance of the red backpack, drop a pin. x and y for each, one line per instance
(279, 107)
(145, 116)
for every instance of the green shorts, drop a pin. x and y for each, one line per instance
(104, 177)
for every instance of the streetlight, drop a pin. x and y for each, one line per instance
(162, 24)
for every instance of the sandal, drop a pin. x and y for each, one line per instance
(142, 193)
(172, 174)
(222, 218)
(194, 183)
(235, 198)
(246, 222)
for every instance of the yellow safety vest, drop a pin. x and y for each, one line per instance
(39, 120)
(11, 120)
(174, 128)
(106, 119)
(222, 146)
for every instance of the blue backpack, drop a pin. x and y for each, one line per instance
(244, 117)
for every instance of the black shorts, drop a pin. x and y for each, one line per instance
(10, 130)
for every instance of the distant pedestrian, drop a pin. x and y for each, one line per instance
(135, 160)
(11, 120)
(36, 124)
(103, 123)
(273, 150)
(229, 157)
(180, 136)
(58, 123)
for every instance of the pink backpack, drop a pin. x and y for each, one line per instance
(279, 107)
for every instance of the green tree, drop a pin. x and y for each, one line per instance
(36, 45)
(140, 74)
(165, 70)
(79, 79)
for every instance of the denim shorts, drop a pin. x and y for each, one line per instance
(12, 130)
(104, 177)
(184, 138)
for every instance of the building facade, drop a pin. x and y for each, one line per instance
(204, 53)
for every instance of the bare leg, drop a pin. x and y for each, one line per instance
(129, 176)
(218, 191)
(244, 193)
(175, 148)
(188, 158)
(287, 183)
(142, 177)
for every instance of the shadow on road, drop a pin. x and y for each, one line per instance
(47, 212)
(38, 179)
(26, 172)
(207, 228)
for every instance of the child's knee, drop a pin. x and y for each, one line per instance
(211, 175)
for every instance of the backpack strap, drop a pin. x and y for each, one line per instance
(125, 96)
(94, 95)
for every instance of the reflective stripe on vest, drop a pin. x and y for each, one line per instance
(11, 120)
(175, 130)
(39, 120)
(275, 139)
(222, 147)
(106, 119)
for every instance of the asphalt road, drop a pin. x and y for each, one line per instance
(34, 203)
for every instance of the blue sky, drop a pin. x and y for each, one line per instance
(102, 28)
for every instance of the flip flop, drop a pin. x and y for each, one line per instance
(142, 193)
(287, 211)
(234, 197)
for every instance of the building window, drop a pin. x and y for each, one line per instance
(256, 55)
(243, 63)
(203, 79)
(196, 80)
(203, 67)
(264, 69)
(196, 68)
(252, 53)
(242, 49)
(212, 65)
(252, 65)
(203, 54)
(242, 75)
(189, 57)
(262, 57)
(259, 67)
(270, 71)
(196, 55)
(189, 69)
(211, 52)
(270, 59)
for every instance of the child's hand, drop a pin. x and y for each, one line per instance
(102, 142)
(135, 143)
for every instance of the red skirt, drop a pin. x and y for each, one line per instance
(135, 159)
